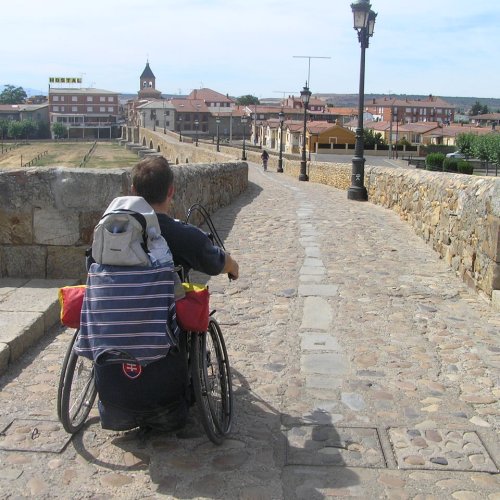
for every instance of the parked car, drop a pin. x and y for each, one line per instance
(457, 154)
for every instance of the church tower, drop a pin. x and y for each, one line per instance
(148, 84)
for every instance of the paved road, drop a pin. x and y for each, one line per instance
(363, 367)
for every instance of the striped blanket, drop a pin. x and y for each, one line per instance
(128, 314)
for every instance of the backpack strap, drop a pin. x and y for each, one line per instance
(136, 215)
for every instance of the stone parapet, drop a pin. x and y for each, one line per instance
(458, 215)
(47, 215)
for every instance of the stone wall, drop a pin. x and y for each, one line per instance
(47, 215)
(458, 215)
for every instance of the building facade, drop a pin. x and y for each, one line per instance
(86, 113)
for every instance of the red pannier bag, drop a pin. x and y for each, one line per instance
(193, 310)
(71, 300)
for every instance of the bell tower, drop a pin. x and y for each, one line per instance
(148, 84)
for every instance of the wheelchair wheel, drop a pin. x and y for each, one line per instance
(76, 392)
(211, 377)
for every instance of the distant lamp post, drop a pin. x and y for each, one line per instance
(364, 24)
(281, 117)
(305, 95)
(217, 120)
(153, 117)
(180, 128)
(164, 121)
(196, 125)
(244, 154)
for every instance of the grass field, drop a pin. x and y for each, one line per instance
(68, 154)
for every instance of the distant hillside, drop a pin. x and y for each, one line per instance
(462, 103)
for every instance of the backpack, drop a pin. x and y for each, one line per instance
(127, 234)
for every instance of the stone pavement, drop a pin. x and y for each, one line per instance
(363, 368)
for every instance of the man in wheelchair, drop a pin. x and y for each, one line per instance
(157, 395)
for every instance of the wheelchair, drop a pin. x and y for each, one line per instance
(209, 376)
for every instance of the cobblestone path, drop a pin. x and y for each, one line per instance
(363, 367)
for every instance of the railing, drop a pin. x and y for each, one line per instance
(88, 155)
(33, 160)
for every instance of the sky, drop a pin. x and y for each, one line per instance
(239, 47)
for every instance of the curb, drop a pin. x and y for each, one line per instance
(29, 308)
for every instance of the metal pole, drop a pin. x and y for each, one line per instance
(390, 133)
(303, 163)
(218, 140)
(243, 154)
(357, 191)
(280, 160)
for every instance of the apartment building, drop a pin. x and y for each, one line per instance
(431, 109)
(87, 113)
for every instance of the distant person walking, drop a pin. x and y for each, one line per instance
(265, 157)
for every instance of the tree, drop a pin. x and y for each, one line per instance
(59, 130)
(371, 138)
(464, 143)
(246, 100)
(15, 130)
(12, 95)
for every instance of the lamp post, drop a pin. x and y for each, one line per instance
(196, 125)
(244, 154)
(364, 23)
(180, 128)
(305, 95)
(281, 117)
(217, 120)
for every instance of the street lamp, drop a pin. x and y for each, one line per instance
(180, 128)
(243, 154)
(217, 120)
(305, 95)
(153, 117)
(196, 125)
(281, 117)
(364, 23)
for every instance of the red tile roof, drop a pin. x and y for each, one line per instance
(209, 95)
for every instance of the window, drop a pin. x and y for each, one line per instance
(62, 109)
(102, 99)
(167, 124)
(90, 109)
(111, 99)
(62, 98)
(167, 113)
(74, 109)
(74, 98)
(56, 109)
(55, 98)
(89, 98)
(102, 109)
(110, 109)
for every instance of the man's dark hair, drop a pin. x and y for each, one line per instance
(152, 178)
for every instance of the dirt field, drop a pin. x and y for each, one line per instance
(67, 154)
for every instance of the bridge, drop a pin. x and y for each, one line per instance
(363, 366)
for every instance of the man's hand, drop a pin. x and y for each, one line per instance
(231, 267)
